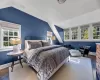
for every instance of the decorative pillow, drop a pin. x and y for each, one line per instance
(44, 43)
(28, 53)
(34, 45)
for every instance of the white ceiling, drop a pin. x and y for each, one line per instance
(53, 12)
(88, 18)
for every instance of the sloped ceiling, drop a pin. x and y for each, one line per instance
(53, 12)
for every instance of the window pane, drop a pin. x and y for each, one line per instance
(74, 33)
(10, 38)
(10, 33)
(15, 33)
(5, 33)
(96, 31)
(84, 32)
(5, 39)
(10, 44)
(66, 35)
(5, 44)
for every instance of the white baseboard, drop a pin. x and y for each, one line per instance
(7, 65)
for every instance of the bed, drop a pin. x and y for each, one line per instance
(46, 59)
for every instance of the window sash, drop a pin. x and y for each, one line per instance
(85, 32)
(11, 27)
(96, 31)
(8, 36)
(78, 35)
(74, 33)
(66, 34)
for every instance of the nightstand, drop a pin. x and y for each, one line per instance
(16, 54)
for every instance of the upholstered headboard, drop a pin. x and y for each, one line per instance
(26, 42)
(35, 38)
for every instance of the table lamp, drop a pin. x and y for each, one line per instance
(53, 38)
(15, 42)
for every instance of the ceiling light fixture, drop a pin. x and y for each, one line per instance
(61, 1)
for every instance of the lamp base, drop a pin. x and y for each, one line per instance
(16, 48)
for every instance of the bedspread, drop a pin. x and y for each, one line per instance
(45, 59)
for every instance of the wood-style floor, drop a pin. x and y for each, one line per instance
(4, 71)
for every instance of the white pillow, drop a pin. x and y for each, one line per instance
(74, 52)
(28, 53)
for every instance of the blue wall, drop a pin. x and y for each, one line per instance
(30, 26)
(80, 44)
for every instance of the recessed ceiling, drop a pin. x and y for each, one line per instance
(53, 12)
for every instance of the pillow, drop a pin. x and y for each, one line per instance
(28, 53)
(75, 53)
(34, 45)
(44, 43)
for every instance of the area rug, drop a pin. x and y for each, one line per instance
(77, 69)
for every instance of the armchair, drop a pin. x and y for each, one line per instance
(84, 50)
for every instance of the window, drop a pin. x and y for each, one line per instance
(7, 35)
(84, 32)
(66, 34)
(96, 31)
(89, 32)
(74, 33)
(7, 31)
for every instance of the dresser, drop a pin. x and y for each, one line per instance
(98, 60)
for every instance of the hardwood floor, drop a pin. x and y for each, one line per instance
(4, 71)
(4, 74)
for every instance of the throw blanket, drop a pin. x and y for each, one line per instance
(45, 59)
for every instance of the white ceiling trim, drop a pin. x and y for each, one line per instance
(55, 32)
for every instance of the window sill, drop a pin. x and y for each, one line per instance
(5, 49)
(88, 40)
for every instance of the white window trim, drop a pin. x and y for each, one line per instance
(90, 34)
(72, 34)
(8, 48)
(64, 34)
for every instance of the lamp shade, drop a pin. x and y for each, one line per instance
(15, 41)
(53, 38)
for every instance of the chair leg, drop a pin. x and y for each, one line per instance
(83, 55)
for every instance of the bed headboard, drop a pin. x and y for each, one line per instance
(26, 42)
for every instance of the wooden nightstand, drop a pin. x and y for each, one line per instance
(16, 54)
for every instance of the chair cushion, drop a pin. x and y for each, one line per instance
(74, 52)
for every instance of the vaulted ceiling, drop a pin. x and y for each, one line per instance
(53, 12)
